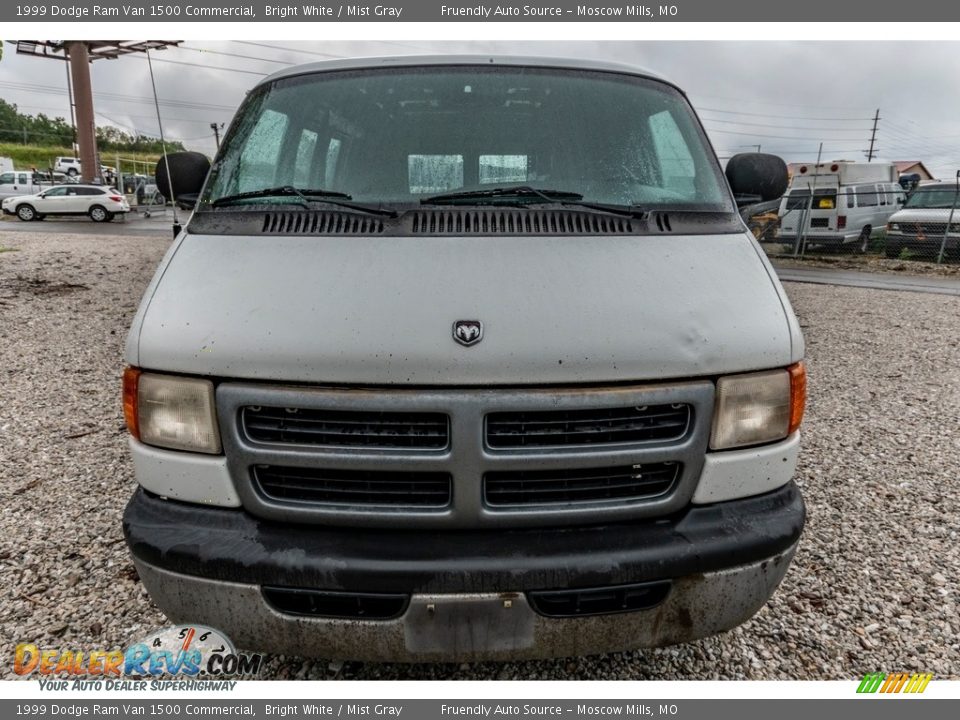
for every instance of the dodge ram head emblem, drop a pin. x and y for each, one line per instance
(468, 332)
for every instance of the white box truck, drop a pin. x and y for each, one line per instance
(839, 203)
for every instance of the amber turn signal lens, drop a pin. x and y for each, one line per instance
(131, 380)
(798, 395)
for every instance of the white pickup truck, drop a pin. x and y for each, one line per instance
(19, 182)
(464, 358)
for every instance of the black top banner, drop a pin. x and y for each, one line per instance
(466, 11)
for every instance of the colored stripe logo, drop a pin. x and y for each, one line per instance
(894, 683)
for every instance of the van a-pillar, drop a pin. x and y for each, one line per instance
(79, 58)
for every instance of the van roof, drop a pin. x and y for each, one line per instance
(485, 60)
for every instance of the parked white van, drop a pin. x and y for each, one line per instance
(839, 203)
(464, 358)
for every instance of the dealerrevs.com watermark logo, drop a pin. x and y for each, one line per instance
(178, 652)
(894, 683)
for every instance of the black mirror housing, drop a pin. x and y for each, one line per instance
(757, 177)
(180, 176)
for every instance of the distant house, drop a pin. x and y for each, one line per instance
(908, 167)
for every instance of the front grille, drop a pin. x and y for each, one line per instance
(323, 603)
(464, 458)
(526, 488)
(594, 426)
(352, 488)
(929, 230)
(584, 602)
(346, 428)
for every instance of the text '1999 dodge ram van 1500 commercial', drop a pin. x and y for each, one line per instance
(464, 358)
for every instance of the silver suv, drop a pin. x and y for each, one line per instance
(67, 165)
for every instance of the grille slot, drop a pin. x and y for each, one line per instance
(595, 426)
(352, 488)
(320, 223)
(347, 428)
(498, 221)
(526, 488)
(599, 601)
(321, 603)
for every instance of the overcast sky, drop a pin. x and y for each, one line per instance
(784, 96)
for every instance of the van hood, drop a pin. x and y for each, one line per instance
(380, 311)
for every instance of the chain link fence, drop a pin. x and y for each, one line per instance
(882, 219)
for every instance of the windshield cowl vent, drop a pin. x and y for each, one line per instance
(320, 223)
(496, 221)
(662, 221)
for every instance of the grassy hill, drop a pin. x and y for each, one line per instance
(41, 156)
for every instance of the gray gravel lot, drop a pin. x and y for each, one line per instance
(874, 586)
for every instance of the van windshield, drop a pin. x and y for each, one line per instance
(934, 197)
(398, 136)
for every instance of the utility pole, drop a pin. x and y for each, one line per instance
(78, 54)
(216, 132)
(873, 135)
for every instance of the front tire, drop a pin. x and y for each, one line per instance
(26, 213)
(98, 213)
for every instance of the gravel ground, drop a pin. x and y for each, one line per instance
(874, 585)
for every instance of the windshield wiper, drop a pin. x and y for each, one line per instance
(515, 193)
(280, 191)
(525, 194)
(306, 196)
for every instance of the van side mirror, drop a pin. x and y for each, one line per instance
(184, 181)
(757, 177)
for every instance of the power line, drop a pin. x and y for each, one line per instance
(142, 117)
(781, 117)
(783, 127)
(233, 55)
(741, 100)
(811, 138)
(286, 49)
(207, 67)
(34, 88)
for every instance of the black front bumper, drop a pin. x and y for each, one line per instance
(231, 545)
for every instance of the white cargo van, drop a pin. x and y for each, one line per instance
(464, 358)
(839, 203)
